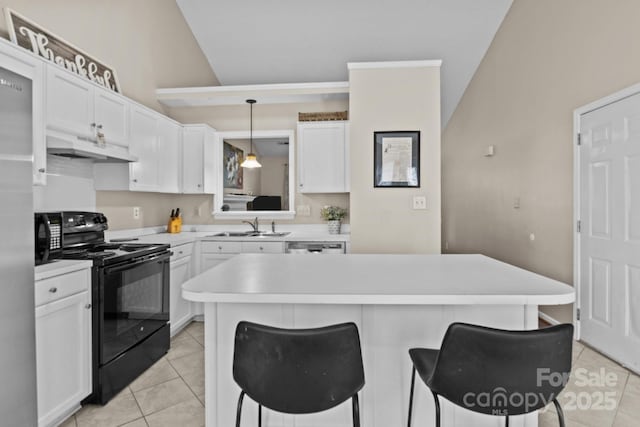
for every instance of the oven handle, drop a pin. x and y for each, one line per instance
(136, 262)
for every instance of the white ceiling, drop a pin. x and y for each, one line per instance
(297, 41)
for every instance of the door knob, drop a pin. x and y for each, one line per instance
(87, 306)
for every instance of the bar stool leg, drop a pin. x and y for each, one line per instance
(560, 413)
(239, 410)
(435, 397)
(259, 416)
(413, 381)
(506, 421)
(355, 411)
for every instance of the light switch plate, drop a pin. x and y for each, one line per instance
(419, 202)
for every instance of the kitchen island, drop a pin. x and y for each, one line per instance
(397, 301)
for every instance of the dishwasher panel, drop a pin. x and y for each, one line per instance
(321, 248)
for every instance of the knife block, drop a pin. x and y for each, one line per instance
(175, 225)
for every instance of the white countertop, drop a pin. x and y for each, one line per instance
(61, 266)
(191, 236)
(374, 279)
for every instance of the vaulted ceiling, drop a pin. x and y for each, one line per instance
(294, 41)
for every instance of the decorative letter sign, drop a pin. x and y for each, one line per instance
(30, 36)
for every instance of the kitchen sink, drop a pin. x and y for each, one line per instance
(250, 234)
(268, 234)
(232, 234)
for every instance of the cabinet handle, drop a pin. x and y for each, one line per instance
(180, 253)
(53, 290)
(135, 180)
(41, 170)
(220, 248)
(261, 248)
(99, 126)
(87, 306)
(199, 185)
(93, 125)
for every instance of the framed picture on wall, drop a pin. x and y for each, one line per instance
(396, 159)
(232, 158)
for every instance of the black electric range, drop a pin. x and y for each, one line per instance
(130, 301)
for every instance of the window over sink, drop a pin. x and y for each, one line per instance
(265, 192)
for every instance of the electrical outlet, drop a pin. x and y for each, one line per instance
(419, 202)
(136, 212)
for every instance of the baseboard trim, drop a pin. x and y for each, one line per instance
(550, 320)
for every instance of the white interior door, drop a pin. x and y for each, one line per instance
(610, 230)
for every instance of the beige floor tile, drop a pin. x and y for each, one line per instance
(578, 347)
(626, 420)
(195, 381)
(162, 396)
(140, 422)
(201, 399)
(184, 346)
(70, 422)
(196, 330)
(629, 407)
(160, 372)
(180, 335)
(120, 410)
(586, 403)
(186, 414)
(192, 363)
(593, 360)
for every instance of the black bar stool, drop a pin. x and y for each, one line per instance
(298, 371)
(496, 372)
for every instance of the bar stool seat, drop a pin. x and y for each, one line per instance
(495, 371)
(298, 371)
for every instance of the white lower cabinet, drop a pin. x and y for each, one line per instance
(63, 345)
(180, 312)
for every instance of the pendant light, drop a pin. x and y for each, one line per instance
(251, 161)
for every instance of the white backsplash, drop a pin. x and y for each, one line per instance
(69, 186)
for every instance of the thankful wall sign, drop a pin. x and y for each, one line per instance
(31, 36)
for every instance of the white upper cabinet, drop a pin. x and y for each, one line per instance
(69, 103)
(78, 108)
(323, 157)
(111, 117)
(145, 173)
(199, 161)
(170, 156)
(156, 141)
(24, 64)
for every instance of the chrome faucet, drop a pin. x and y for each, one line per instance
(253, 224)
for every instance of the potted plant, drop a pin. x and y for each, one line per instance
(333, 215)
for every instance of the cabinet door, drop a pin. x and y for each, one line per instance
(26, 65)
(179, 308)
(112, 117)
(211, 260)
(211, 164)
(69, 103)
(63, 355)
(321, 157)
(192, 160)
(145, 173)
(170, 135)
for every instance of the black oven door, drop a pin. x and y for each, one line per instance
(134, 303)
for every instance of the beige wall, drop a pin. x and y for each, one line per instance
(548, 58)
(382, 219)
(147, 41)
(272, 178)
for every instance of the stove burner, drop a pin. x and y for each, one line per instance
(93, 253)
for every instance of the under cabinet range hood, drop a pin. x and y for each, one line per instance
(61, 144)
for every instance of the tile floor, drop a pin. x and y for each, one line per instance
(171, 392)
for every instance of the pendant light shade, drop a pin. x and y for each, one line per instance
(251, 161)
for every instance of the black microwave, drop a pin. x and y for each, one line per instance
(48, 236)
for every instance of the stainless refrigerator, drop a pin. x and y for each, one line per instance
(18, 399)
